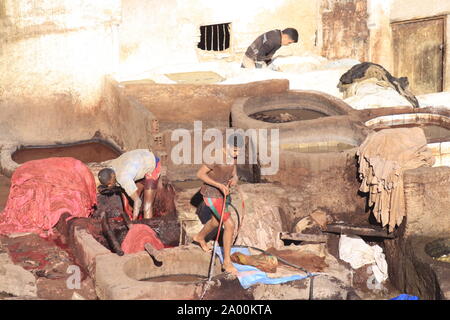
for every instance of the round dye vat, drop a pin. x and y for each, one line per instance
(176, 278)
(435, 126)
(84, 151)
(287, 115)
(433, 132)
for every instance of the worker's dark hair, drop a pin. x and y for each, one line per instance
(236, 140)
(292, 33)
(105, 175)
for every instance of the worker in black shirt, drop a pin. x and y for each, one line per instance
(259, 54)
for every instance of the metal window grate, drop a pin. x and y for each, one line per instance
(215, 37)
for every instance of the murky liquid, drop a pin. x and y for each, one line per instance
(287, 115)
(433, 132)
(177, 278)
(317, 148)
(86, 152)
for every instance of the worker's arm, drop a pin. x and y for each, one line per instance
(126, 181)
(202, 174)
(137, 204)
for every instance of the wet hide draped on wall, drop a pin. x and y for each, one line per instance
(383, 157)
(42, 190)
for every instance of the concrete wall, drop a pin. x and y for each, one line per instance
(167, 32)
(53, 59)
(185, 103)
(427, 201)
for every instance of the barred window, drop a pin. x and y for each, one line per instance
(215, 37)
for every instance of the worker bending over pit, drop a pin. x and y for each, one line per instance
(218, 178)
(132, 166)
(259, 54)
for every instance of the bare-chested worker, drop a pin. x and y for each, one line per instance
(217, 179)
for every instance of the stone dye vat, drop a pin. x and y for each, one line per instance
(85, 151)
(435, 126)
(316, 131)
(135, 276)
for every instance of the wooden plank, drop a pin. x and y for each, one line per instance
(360, 231)
(303, 237)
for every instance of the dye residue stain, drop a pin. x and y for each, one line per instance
(48, 259)
(86, 152)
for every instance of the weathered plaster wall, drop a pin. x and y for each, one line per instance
(185, 103)
(415, 9)
(53, 59)
(361, 29)
(345, 31)
(167, 32)
(383, 12)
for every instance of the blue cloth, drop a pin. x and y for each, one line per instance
(405, 297)
(249, 275)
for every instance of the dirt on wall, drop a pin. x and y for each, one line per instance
(345, 31)
(330, 184)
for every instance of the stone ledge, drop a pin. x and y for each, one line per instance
(87, 249)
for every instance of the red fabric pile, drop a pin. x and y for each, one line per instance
(42, 190)
(138, 236)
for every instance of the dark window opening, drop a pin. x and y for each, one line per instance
(215, 37)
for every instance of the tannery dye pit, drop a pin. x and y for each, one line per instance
(84, 151)
(203, 156)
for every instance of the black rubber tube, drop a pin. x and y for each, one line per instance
(238, 219)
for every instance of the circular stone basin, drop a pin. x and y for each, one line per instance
(439, 249)
(433, 132)
(287, 115)
(85, 151)
(436, 127)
